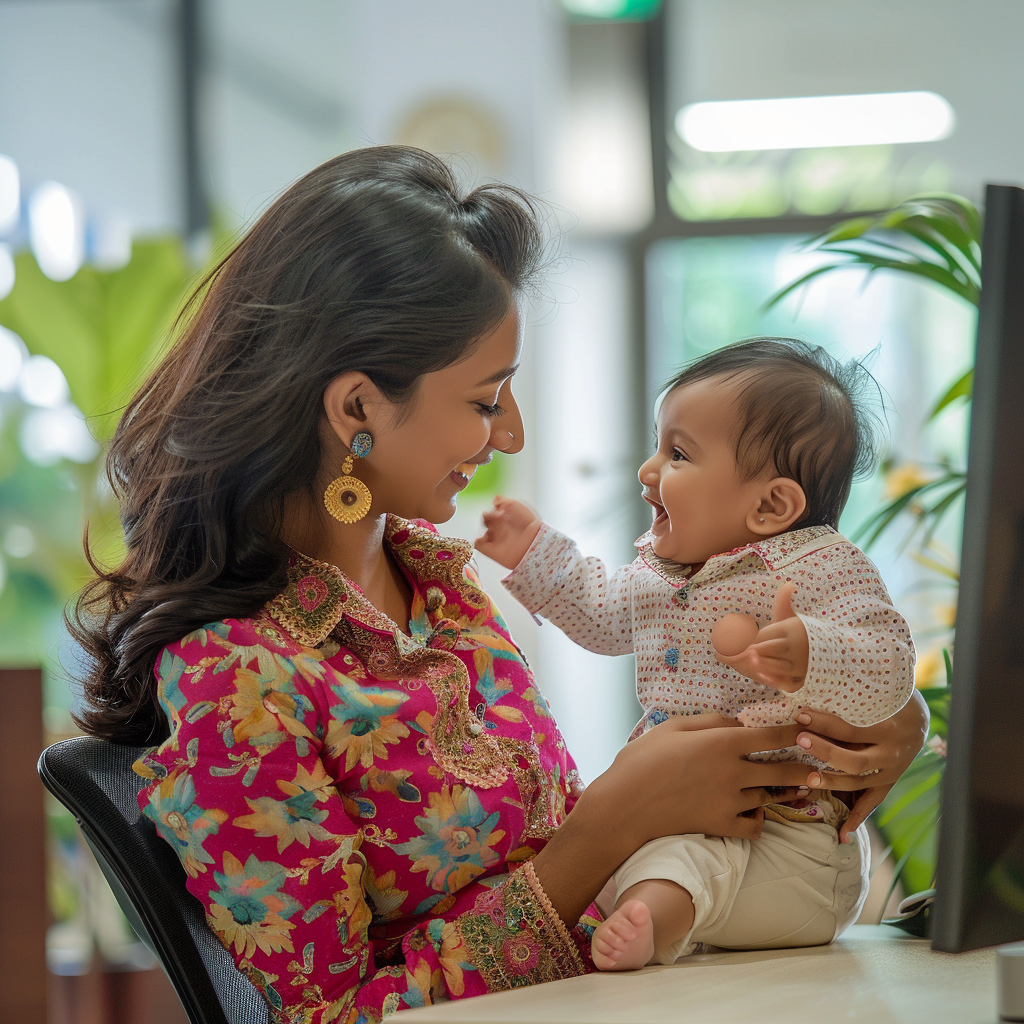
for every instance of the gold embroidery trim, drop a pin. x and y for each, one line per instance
(515, 912)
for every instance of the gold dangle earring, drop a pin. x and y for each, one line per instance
(347, 498)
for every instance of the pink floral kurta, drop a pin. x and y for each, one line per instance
(355, 806)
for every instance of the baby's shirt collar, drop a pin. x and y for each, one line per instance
(775, 552)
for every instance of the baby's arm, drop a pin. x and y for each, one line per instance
(551, 578)
(775, 655)
(857, 657)
(861, 655)
(509, 530)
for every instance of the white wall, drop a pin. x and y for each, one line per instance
(274, 100)
(588, 484)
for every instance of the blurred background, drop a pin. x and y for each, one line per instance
(138, 137)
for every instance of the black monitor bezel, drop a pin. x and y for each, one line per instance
(984, 741)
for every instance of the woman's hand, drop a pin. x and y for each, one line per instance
(869, 758)
(689, 774)
(693, 775)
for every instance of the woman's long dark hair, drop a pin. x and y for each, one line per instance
(375, 261)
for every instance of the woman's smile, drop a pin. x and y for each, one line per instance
(462, 474)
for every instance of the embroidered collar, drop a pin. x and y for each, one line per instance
(319, 594)
(784, 548)
(673, 573)
(775, 552)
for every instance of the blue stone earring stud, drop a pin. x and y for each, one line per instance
(347, 498)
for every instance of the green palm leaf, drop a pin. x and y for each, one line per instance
(935, 236)
(960, 388)
(954, 480)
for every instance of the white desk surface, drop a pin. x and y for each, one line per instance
(874, 974)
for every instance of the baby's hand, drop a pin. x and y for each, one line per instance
(509, 529)
(779, 652)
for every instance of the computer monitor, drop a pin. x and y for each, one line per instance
(980, 878)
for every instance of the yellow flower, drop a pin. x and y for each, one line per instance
(296, 818)
(454, 956)
(317, 781)
(363, 722)
(180, 820)
(422, 978)
(249, 910)
(364, 747)
(930, 670)
(457, 836)
(270, 935)
(901, 479)
(262, 712)
(381, 891)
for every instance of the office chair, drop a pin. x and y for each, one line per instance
(95, 781)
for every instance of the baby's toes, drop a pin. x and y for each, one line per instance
(606, 935)
(605, 957)
(623, 930)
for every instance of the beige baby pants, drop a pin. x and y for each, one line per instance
(796, 885)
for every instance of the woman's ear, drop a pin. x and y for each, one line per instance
(781, 504)
(352, 402)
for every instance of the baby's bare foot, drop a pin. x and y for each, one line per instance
(626, 940)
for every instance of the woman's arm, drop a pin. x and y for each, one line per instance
(869, 759)
(685, 775)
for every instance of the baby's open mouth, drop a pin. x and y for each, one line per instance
(660, 515)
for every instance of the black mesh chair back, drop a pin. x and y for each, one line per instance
(95, 781)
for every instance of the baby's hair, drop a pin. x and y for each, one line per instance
(802, 414)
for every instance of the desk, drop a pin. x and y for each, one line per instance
(874, 974)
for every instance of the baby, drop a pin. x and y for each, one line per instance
(743, 601)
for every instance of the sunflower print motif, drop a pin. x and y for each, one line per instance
(456, 841)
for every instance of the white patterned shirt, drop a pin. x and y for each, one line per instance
(861, 656)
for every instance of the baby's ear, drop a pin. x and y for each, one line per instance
(781, 505)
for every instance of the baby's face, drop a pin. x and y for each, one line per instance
(701, 504)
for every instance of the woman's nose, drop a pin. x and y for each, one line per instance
(507, 432)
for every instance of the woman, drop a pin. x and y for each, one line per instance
(361, 779)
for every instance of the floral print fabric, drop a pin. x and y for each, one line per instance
(355, 806)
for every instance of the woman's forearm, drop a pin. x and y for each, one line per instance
(682, 776)
(581, 856)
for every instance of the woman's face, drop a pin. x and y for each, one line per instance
(427, 451)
